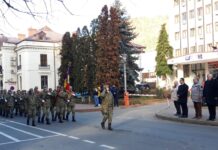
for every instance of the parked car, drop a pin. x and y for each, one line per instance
(143, 86)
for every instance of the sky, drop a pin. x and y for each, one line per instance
(61, 21)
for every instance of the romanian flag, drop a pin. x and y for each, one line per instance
(67, 79)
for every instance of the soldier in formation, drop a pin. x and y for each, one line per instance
(38, 106)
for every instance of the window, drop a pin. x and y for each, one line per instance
(200, 30)
(19, 61)
(200, 48)
(178, 52)
(200, 12)
(184, 16)
(185, 51)
(44, 81)
(191, 14)
(176, 19)
(186, 71)
(177, 36)
(209, 47)
(43, 60)
(184, 34)
(176, 2)
(192, 32)
(209, 28)
(216, 5)
(193, 49)
(216, 26)
(208, 9)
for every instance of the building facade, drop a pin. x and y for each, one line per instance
(193, 33)
(30, 61)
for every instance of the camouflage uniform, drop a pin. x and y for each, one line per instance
(71, 105)
(61, 97)
(31, 104)
(53, 104)
(45, 96)
(1, 103)
(4, 104)
(107, 107)
(16, 102)
(38, 103)
(9, 104)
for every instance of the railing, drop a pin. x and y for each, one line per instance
(44, 67)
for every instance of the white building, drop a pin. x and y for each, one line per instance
(193, 33)
(32, 61)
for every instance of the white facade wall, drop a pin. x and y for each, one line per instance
(202, 39)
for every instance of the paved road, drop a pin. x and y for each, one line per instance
(135, 129)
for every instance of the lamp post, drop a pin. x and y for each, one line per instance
(126, 94)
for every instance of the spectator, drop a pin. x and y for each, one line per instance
(174, 98)
(182, 94)
(196, 96)
(95, 94)
(209, 93)
(114, 91)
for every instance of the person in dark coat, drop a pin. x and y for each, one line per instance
(209, 93)
(183, 97)
(114, 91)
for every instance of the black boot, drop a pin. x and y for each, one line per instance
(33, 123)
(109, 127)
(38, 119)
(67, 116)
(47, 121)
(73, 118)
(28, 121)
(103, 125)
(55, 118)
(42, 119)
(60, 118)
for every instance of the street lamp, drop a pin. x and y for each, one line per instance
(126, 94)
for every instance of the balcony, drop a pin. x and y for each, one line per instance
(44, 67)
(19, 67)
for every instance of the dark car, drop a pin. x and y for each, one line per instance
(143, 86)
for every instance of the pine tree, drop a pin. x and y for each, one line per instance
(66, 56)
(127, 36)
(164, 51)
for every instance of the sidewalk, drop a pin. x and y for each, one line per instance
(168, 114)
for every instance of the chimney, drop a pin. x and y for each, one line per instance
(31, 31)
(21, 36)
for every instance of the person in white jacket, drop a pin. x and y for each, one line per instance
(174, 98)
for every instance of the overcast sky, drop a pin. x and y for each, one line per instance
(85, 10)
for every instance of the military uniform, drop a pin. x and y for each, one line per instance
(38, 103)
(31, 104)
(46, 104)
(71, 106)
(61, 97)
(1, 103)
(107, 108)
(9, 104)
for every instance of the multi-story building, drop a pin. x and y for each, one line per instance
(26, 62)
(193, 33)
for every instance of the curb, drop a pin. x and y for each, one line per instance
(88, 110)
(160, 115)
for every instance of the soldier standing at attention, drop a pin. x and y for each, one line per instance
(71, 104)
(31, 104)
(38, 103)
(107, 107)
(61, 97)
(53, 103)
(45, 97)
(10, 104)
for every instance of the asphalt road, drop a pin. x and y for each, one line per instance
(134, 129)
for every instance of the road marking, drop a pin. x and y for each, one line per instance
(10, 137)
(73, 137)
(28, 140)
(107, 146)
(26, 132)
(39, 128)
(88, 141)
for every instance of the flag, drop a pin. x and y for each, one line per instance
(67, 79)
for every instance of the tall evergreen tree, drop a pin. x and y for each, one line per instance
(66, 56)
(164, 51)
(126, 47)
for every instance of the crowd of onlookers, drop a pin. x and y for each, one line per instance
(208, 92)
